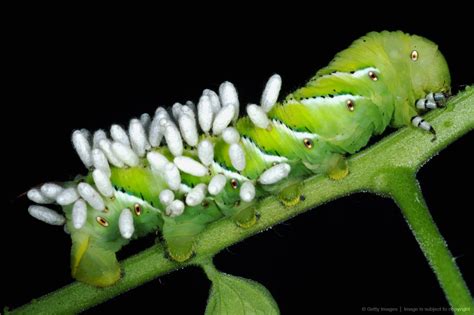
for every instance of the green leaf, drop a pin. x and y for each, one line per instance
(232, 295)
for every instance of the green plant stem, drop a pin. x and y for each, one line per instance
(208, 266)
(405, 191)
(408, 148)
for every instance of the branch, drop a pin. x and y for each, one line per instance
(371, 169)
(405, 190)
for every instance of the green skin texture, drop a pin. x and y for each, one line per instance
(389, 100)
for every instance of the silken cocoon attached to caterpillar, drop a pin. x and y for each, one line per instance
(178, 171)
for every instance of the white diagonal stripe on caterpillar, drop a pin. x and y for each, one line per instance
(330, 101)
(268, 158)
(218, 169)
(361, 73)
(295, 134)
(131, 199)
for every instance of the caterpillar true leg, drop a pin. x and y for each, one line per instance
(419, 122)
(426, 103)
(432, 101)
(439, 98)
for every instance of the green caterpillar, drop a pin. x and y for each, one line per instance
(182, 169)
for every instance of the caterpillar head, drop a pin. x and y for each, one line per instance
(429, 70)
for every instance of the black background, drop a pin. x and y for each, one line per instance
(89, 71)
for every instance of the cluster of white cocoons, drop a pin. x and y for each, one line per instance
(214, 115)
